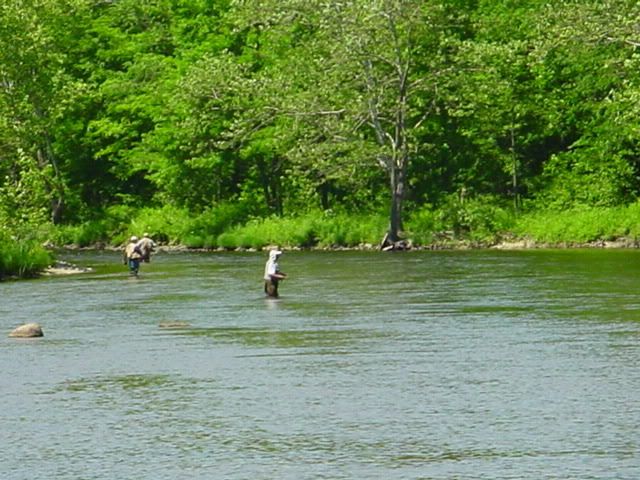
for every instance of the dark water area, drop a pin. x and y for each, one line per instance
(419, 365)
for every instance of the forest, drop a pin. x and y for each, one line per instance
(316, 123)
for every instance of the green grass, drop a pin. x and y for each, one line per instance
(581, 226)
(22, 258)
(314, 229)
(482, 220)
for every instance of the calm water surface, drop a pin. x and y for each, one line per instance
(426, 365)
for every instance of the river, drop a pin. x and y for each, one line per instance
(418, 365)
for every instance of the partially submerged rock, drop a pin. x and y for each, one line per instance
(174, 325)
(28, 330)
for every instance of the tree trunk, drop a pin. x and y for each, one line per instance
(397, 197)
(514, 168)
(400, 157)
(56, 190)
(57, 207)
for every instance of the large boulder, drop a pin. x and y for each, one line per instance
(27, 330)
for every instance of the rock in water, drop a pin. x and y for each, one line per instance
(27, 330)
(174, 325)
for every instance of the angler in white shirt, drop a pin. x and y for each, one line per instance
(272, 274)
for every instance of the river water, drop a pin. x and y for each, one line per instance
(420, 365)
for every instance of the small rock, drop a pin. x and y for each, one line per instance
(27, 330)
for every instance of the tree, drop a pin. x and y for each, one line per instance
(35, 89)
(162, 115)
(494, 103)
(587, 65)
(362, 78)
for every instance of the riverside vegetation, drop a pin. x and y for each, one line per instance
(319, 125)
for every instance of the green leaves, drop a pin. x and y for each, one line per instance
(294, 105)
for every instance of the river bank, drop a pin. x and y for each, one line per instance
(60, 267)
(509, 244)
(424, 229)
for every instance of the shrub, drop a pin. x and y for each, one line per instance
(481, 219)
(168, 224)
(22, 258)
(583, 177)
(423, 224)
(193, 241)
(227, 240)
(216, 220)
(309, 230)
(83, 235)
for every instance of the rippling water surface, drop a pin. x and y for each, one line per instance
(425, 365)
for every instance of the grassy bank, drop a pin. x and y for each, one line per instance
(574, 227)
(225, 228)
(476, 222)
(22, 258)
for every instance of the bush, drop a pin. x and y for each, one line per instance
(423, 224)
(481, 219)
(227, 240)
(310, 230)
(351, 231)
(215, 221)
(22, 258)
(168, 224)
(176, 225)
(86, 234)
(584, 178)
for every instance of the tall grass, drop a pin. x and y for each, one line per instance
(581, 226)
(22, 259)
(167, 224)
(481, 220)
(315, 229)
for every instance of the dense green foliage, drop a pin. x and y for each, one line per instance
(240, 123)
